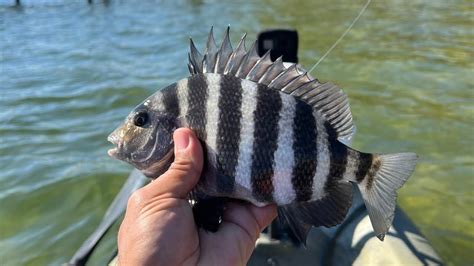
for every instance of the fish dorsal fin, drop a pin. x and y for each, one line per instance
(325, 98)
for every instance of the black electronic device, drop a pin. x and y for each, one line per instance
(281, 42)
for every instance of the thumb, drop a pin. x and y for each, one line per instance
(185, 170)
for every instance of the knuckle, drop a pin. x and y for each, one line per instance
(182, 165)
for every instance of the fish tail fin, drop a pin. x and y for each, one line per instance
(385, 176)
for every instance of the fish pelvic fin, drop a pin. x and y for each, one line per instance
(208, 212)
(386, 174)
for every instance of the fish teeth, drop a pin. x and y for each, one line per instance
(112, 138)
(112, 152)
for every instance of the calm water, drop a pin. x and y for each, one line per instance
(69, 73)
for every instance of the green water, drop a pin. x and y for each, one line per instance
(70, 72)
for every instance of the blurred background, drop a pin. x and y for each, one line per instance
(71, 71)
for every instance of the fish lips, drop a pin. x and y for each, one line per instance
(115, 152)
(152, 171)
(139, 158)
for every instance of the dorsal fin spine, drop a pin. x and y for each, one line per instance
(224, 53)
(209, 60)
(284, 77)
(260, 67)
(195, 58)
(236, 57)
(325, 98)
(296, 83)
(248, 62)
(273, 71)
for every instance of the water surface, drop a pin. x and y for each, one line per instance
(70, 72)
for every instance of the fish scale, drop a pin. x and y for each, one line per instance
(271, 134)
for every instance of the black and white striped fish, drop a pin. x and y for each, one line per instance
(272, 134)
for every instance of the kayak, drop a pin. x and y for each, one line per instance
(350, 243)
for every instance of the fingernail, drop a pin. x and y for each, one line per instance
(182, 143)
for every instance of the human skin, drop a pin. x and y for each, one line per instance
(159, 228)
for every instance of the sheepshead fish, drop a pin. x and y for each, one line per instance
(271, 134)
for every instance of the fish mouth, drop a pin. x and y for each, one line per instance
(113, 152)
(151, 171)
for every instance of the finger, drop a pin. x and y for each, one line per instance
(241, 226)
(185, 170)
(250, 218)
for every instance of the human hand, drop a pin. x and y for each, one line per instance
(159, 228)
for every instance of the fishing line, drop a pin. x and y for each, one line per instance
(342, 36)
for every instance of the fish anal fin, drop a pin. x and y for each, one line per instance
(299, 228)
(328, 211)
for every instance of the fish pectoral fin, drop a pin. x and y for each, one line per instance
(328, 211)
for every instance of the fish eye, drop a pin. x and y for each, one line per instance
(140, 119)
